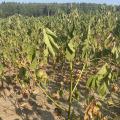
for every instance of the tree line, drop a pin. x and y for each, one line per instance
(45, 9)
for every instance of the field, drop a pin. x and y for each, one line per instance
(61, 67)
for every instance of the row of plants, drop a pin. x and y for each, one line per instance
(92, 42)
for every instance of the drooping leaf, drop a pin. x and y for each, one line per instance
(50, 33)
(54, 45)
(71, 48)
(100, 80)
(50, 43)
(69, 56)
(103, 72)
(103, 89)
(91, 82)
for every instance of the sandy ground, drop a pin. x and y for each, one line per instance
(30, 109)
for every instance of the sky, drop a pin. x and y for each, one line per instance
(115, 2)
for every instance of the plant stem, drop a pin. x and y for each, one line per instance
(79, 78)
(62, 108)
(70, 92)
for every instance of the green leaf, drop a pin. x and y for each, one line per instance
(50, 42)
(103, 89)
(71, 47)
(46, 53)
(91, 82)
(54, 45)
(98, 81)
(50, 33)
(103, 71)
(31, 54)
(69, 56)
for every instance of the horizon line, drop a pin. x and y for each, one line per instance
(57, 3)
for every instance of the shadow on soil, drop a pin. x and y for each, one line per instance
(36, 110)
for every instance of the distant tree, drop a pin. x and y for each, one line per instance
(39, 9)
